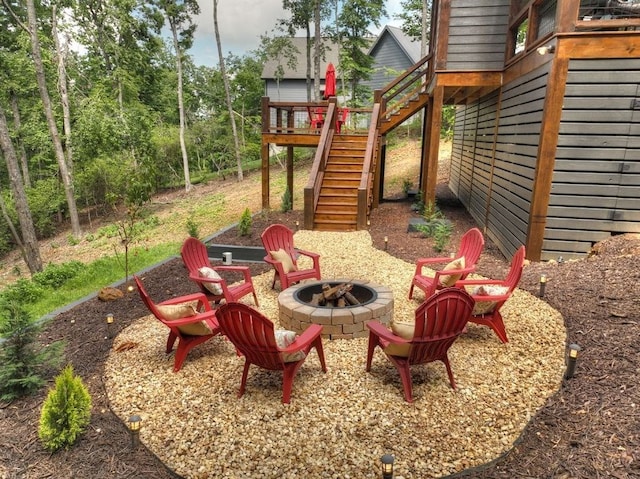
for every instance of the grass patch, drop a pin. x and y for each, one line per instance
(97, 275)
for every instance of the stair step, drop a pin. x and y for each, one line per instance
(334, 227)
(342, 175)
(337, 191)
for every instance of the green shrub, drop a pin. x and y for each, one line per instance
(441, 235)
(192, 227)
(22, 361)
(66, 412)
(244, 226)
(55, 275)
(287, 201)
(23, 291)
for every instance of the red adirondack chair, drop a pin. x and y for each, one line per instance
(471, 245)
(195, 256)
(491, 317)
(439, 321)
(278, 237)
(177, 327)
(253, 335)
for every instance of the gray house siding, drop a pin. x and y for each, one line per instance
(288, 90)
(390, 61)
(495, 171)
(477, 34)
(596, 182)
(595, 190)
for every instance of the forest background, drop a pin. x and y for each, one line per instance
(99, 108)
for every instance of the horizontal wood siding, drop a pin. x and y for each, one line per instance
(596, 181)
(519, 123)
(287, 90)
(456, 150)
(389, 62)
(477, 34)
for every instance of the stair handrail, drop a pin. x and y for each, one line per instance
(412, 81)
(316, 174)
(368, 168)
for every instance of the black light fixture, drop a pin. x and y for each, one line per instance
(110, 325)
(574, 350)
(297, 225)
(386, 242)
(387, 466)
(543, 284)
(134, 428)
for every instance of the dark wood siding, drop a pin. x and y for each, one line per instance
(493, 169)
(596, 182)
(477, 34)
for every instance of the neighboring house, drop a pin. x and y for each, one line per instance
(293, 84)
(393, 52)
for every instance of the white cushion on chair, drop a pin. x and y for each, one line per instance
(284, 339)
(210, 273)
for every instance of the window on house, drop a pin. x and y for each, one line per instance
(546, 19)
(521, 36)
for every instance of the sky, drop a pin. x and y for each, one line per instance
(241, 23)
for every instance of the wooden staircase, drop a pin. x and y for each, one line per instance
(337, 205)
(402, 111)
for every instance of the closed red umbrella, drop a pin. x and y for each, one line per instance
(330, 81)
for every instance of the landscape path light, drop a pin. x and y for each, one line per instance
(574, 350)
(543, 284)
(387, 466)
(134, 428)
(110, 325)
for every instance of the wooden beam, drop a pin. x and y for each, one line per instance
(430, 170)
(264, 153)
(549, 130)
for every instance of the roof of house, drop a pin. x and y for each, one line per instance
(300, 70)
(407, 44)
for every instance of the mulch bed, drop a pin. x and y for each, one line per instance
(589, 428)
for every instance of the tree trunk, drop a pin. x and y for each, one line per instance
(183, 146)
(227, 91)
(65, 174)
(17, 124)
(423, 37)
(64, 94)
(308, 70)
(316, 51)
(31, 249)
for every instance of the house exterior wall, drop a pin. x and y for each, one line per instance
(477, 34)
(390, 61)
(596, 178)
(287, 90)
(595, 190)
(493, 168)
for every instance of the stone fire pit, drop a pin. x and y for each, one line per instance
(296, 314)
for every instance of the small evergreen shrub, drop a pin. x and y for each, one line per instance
(23, 362)
(66, 412)
(192, 227)
(244, 226)
(287, 201)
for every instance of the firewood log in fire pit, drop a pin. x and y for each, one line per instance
(335, 296)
